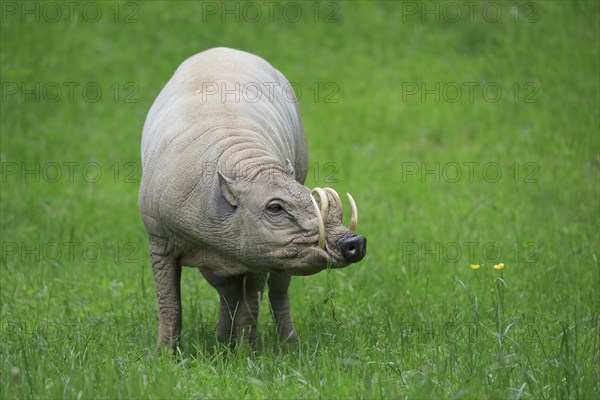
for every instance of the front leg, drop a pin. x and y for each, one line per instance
(280, 305)
(167, 281)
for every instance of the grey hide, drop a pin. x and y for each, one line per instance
(224, 157)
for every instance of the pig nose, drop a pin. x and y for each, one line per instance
(354, 248)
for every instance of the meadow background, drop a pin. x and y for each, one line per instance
(468, 135)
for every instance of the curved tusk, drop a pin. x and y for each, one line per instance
(354, 219)
(324, 201)
(320, 222)
(337, 199)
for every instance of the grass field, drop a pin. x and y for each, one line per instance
(468, 135)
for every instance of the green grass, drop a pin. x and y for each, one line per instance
(78, 313)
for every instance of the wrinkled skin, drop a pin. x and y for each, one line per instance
(230, 200)
(279, 213)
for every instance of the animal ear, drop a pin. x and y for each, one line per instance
(289, 167)
(227, 190)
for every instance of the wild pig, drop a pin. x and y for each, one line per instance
(224, 158)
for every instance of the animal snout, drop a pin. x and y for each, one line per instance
(354, 248)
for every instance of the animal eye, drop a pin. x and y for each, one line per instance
(274, 208)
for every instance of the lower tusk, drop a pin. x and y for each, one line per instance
(320, 222)
(323, 200)
(354, 219)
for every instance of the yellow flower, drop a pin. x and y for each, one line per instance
(475, 266)
(499, 266)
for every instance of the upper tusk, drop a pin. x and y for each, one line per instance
(337, 200)
(323, 200)
(320, 223)
(354, 218)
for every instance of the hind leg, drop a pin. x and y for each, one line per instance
(230, 291)
(280, 305)
(167, 277)
(240, 298)
(246, 318)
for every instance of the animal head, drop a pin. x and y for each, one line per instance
(281, 227)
